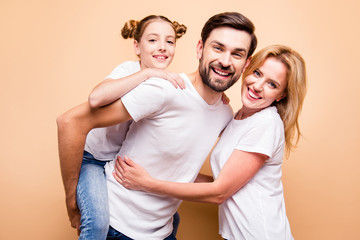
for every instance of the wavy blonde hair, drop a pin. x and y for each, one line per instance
(290, 106)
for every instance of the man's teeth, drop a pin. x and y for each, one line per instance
(221, 73)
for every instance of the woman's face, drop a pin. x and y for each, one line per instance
(156, 48)
(265, 85)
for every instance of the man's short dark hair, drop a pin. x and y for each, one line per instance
(233, 20)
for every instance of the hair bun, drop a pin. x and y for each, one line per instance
(129, 29)
(180, 29)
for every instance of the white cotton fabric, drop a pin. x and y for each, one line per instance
(256, 211)
(104, 143)
(173, 132)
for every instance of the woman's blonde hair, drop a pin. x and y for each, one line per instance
(135, 29)
(290, 106)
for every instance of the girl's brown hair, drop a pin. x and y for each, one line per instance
(135, 29)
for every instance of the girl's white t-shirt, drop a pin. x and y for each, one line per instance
(104, 143)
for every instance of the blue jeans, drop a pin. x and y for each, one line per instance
(92, 199)
(116, 235)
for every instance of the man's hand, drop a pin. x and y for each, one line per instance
(74, 214)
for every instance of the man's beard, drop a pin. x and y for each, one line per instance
(205, 77)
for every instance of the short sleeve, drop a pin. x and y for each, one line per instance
(124, 69)
(146, 99)
(262, 137)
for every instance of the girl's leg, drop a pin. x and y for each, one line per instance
(92, 199)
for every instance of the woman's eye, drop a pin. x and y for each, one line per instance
(170, 42)
(257, 73)
(273, 85)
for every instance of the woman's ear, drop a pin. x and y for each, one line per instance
(137, 48)
(281, 97)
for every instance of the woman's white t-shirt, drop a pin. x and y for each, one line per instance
(257, 210)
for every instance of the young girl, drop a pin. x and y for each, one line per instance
(154, 43)
(246, 162)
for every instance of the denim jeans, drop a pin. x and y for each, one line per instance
(92, 199)
(116, 235)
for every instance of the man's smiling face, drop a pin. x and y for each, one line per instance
(223, 57)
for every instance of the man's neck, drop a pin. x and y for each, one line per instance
(210, 96)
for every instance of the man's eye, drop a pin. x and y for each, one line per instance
(238, 55)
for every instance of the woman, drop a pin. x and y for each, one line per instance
(246, 162)
(154, 43)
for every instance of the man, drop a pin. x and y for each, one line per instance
(173, 130)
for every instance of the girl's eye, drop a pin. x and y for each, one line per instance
(170, 42)
(257, 73)
(152, 40)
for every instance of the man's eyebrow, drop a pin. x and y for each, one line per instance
(222, 45)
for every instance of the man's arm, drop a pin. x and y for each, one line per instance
(73, 127)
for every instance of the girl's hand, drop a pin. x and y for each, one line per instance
(225, 99)
(172, 77)
(131, 175)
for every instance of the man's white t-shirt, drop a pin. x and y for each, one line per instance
(104, 143)
(173, 132)
(257, 210)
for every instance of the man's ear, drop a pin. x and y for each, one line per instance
(199, 49)
(246, 64)
(137, 48)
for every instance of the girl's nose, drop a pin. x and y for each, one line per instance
(162, 47)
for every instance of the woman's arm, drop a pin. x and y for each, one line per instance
(110, 90)
(238, 170)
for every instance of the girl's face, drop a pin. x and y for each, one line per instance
(156, 48)
(265, 85)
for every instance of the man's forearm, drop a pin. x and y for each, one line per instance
(73, 127)
(71, 141)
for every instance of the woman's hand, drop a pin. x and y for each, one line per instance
(131, 175)
(172, 77)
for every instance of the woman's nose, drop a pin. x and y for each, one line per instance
(258, 86)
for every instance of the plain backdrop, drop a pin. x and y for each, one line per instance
(52, 53)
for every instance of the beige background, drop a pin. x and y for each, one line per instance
(53, 52)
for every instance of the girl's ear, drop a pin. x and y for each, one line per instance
(137, 48)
